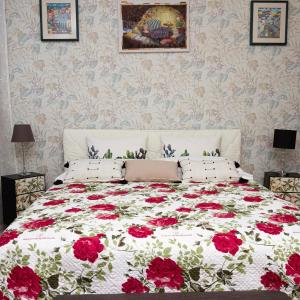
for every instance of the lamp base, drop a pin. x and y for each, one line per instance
(24, 173)
(282, 173)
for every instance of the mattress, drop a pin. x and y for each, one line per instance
(92, 237)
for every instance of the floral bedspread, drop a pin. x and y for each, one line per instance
(92, 237)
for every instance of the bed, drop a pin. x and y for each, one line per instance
(92, 237)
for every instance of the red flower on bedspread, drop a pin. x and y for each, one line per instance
(95, 197)
(162, 222)
(184, 209)
(159, 186)
(87, 248)
(190, 196)
(269, 228)
(36, 224)
(211, 205)
(54, 202)
(107, 216)
(156, 199)
(293, 267)
(283, 218)
(55, 189)
(134, 286)
(8, 236)
(253, 199)
(117, 193)
(140, 231)
(77, 191)
(290, 207)
(227, 242)
(167, 191)
(76, 186)
(24, 283)
(103, 207)
(139, 187)
(73, 210)
(2, 297)
(208, 192)
(272, 281)
(165, 273)
(226, 215)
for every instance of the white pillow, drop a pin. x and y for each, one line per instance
(125, 148)
(208, 170)
(188, 146)
(97, 169)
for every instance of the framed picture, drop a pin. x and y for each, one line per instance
(59, 20)
(153, 26)
(269, 23)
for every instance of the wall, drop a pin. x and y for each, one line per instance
(7, 154)
(221, 83)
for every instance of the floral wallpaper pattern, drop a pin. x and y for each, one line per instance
(221, 83)
(7, 154)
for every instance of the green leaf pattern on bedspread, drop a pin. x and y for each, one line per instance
(90, 237)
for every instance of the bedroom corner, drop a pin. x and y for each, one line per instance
(222, 82)
(7, 153)
(149, 150)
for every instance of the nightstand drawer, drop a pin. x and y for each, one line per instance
(30, 185)
(24, 201)
(19, 191)
(285, 185)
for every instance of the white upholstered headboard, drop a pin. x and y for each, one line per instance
(75, 147)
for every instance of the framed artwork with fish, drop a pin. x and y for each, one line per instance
(269, 23)
(59, 20)
(153, 26)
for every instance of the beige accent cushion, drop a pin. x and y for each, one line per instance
(151, 170)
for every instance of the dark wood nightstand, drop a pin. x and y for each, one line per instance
(288, 187)
(18, 192)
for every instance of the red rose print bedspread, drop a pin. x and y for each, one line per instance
(152, 237)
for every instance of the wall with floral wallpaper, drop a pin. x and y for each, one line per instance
(221, 83)
(7, 154)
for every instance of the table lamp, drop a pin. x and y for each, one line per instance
(22, 133)
(284, 139)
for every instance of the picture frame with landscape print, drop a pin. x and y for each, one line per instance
(59, 20)
(151, 26)
(269, 23)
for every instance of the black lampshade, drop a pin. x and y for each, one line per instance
(285, 139)
(22, 134)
